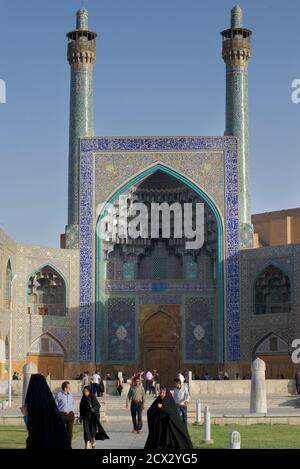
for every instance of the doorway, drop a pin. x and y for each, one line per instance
(160, 342)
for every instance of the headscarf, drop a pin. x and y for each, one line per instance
(166, 429)
(90, 414)
(46, 429)
(90, 401)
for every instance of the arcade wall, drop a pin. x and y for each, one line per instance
(50, 340)
(270, 334)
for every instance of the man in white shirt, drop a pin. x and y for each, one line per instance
(181, 398)
(96, 383)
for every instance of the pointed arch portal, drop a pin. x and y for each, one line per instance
(102, 325)
(94, 325)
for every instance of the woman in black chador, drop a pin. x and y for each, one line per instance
(46, 429)
(90, 417)
(166, 429)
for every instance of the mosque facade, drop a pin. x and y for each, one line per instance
(120, 303)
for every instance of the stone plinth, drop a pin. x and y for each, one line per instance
(28, 370)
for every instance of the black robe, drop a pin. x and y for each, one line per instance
(46, 429)
(166, 429)
(90, 416)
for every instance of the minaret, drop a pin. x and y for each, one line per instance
(81, 57)
(236, 54)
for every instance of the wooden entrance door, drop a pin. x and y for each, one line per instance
(48, 364)
(160, 341)
(162, 359)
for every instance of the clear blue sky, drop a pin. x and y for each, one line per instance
(159, 72)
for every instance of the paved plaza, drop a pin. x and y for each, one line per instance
(121, 437)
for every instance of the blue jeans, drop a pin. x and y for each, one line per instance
(96, 389)
(182, 409)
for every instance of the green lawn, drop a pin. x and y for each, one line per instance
(252, 436)
(14, 436)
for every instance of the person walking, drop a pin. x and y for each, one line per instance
(96, 383)
(157, 383)
(166, 429)
(46, 428)
(101, 387)
(85, 380)
(65, 404)
(181, 398)
(136, 397)
(119, 386)
(89, 416)
(149, 380)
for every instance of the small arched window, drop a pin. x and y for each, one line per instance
(272, 292)
(270, 344)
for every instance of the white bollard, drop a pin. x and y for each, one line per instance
(207, 430)
(28, 370)
(234, 441)
(198, 412)
(258, 398)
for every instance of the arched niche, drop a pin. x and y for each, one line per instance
(272, 291)
(46, 345)
(47, 292)
(270, 344)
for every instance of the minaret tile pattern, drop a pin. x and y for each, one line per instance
(236, 53)
(81, 57)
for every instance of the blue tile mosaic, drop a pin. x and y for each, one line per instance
(199, 337)
(114, 144)
(120, 316)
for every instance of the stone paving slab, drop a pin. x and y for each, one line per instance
(121, 437)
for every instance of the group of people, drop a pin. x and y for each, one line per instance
(151, 379)
(97, 383)
(167, 416)
(49, 419)
(94, 381)
(16, 376)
